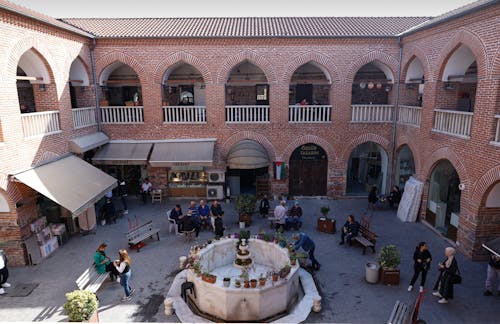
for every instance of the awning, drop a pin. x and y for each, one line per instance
(247, 154)
(84, 143)
(181, 153)
(493, 246)
(69, 182)
(123, 154)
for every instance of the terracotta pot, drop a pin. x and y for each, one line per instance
(237, 284)
(293, 261)
(246, 284)
(253, 283)
(262, 281)
(275, 277)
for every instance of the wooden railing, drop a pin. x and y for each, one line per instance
(496, 141)
(452, 122)
(184, 114)
(372, 113)
(410, 115)
(247, 114)
(309, 114)
(122, 115)
(40, 123)
(84, 117)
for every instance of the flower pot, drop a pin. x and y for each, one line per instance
(246, 284)
(293, 262)
(326, 225)
(253, 283)
(262, 281)
(275, 277)
(389, 276)
(237, 284)
(226, 282)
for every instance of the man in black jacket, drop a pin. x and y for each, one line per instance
(349, 230)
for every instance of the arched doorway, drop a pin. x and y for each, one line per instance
(443, 208)
(308, 171)
(405, 166)
(248, 168)
(367, 167)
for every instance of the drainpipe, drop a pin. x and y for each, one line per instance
(395, 121)
(96, 92)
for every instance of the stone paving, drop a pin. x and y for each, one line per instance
(346, 295)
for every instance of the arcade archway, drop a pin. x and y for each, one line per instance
(308, 171)
(367, 167)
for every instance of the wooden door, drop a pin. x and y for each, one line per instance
(308, 171)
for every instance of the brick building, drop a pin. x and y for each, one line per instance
(211, 106)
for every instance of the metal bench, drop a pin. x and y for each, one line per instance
(366, 239)
(90, 279)
(137, 235)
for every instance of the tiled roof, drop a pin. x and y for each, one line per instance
(246, 27)
(9, 6)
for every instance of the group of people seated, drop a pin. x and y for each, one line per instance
(198, 217)
(286, 219)
(393, 198)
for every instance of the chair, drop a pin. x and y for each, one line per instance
(172, 224)
(156, 195)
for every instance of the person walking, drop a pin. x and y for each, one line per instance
(492, 274)
(123, 267)
(4, 273)
(307, 244)
(373, 197)
(122, 192)
(422, 261)
(448, 269)
(103, 264)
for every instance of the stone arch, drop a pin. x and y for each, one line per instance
(473, 42)
(85, 67)
(410, 53)
(325, 63)
(405, 140)
(260, 61)
(115, 56)
(446, 153)
(368, 137)
(330, 151)
(247, 135)
(382, 57)
(179, 58)
(483, 185)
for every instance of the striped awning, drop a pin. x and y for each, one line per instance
(247, 154)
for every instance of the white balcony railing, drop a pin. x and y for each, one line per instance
(40, 123)
(496, 141)
(185, 114)
(452, 122)
(84, 117)
(122, 114)
(372, 113)
(309, 114)
(410, 115)
(247, 114)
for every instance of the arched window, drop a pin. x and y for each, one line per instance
(372, 85)
(412, 94)
(120, 85)
(79, 85)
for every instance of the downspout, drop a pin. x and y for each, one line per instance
(96, 92)
(395, 119)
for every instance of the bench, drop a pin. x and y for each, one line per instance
(405, 314)
(138, 234)
(366, 238)
(91, 280)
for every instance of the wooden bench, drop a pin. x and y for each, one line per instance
(91, 280)
(137, 235)
(366, 238)
(405, 314)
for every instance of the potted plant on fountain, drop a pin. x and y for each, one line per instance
(326, 224)
(285, 270)
(81, 306)
(226, 281)
(262, 280)
(245, 206)
(246, 281)
(276, 276)
(253, 283)
(389, 259)
(237, 283)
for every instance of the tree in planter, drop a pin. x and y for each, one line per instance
(245, 206)
(389, 259)
(80, 305)
(324, 211)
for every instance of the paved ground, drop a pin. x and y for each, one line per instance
(346, 295)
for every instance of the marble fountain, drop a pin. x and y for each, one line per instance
(288, 299)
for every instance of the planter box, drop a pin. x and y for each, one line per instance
(245, 218)
(389, 276)
(326, 225)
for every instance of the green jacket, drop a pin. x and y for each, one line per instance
(98, 258)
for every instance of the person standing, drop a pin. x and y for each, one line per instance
(103, 264)
(305, 242)
(280, 216)
(349, 230)
(422, 261)
(146, 189)
(122, 192)
(264, 206)
(4, 273)
(123, 267)
(493, 272)
(373, 197)
(215, 211)
(448, 269)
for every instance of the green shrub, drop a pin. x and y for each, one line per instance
(389, 257)
(80, 305)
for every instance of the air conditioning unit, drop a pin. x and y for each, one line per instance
(215, 192)
(216, 176)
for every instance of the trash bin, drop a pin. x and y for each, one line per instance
(242, 225)
(372, 272)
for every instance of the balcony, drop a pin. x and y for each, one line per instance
(84, 117)
(40, 123)
(452, 122)
(309, 114)
(372, 113)
(496, 141)
(247, 114)
(122, 115)
(184, 114)
(410, 115)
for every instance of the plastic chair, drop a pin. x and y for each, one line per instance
(172, 224)
(156, 195)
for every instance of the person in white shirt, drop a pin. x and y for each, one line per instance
(145, 189)
(280, 216)
(4, 273)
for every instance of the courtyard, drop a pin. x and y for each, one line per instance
(346, 297)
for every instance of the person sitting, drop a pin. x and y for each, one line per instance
(349, 230)
(294, 218)
(176, 215)
(373, 197)
(215, 210)
(146, 190)
(189, 223)
(103, 264)
(280, 216)
(264, 206)
(394, 197)
(204, 212)
(194, 210)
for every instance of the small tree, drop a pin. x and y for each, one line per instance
(245, 204)
(389, 257)
(324, 210)
(80, 305)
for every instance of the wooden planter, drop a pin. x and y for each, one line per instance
(389, 276)
(245, 218)
(326, 225)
